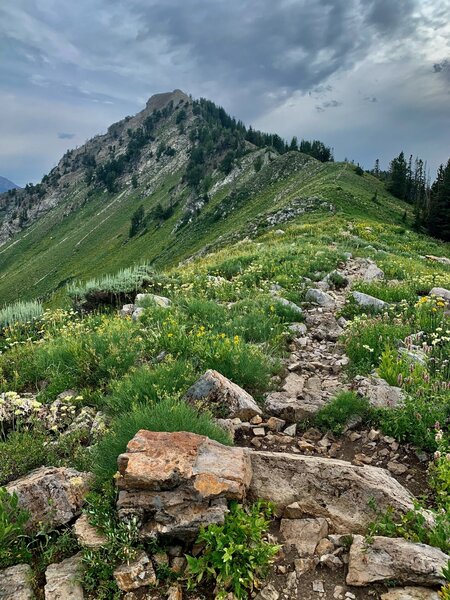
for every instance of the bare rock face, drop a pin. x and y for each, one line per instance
(51, 495)
(395, 559)
(174, 483)
(15, 583)
(379, 393)
(303, 534)
(63, 580)
(87, 535)
(135, 574)
(333, 489)
(225, 398)
(410, 593)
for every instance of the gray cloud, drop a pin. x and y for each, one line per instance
(65, 136)
(256, 57)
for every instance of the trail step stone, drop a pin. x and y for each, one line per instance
(410, 593)
(63, 580)
(174, 483)
(52, 495)
(224, 398)
(15, 583)
(395, 559)
(316, 296)
(323, 487)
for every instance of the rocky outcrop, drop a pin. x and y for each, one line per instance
(367, 301)
(223, 397)
(87, 535)
(379, 393)
(63, 580)
(410, 593)
(51, 495)
(135, 574)
(15, 583)
(333, 489)
(174, 483)
(387, 559)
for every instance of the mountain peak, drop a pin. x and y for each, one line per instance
(159, 101)
(6, 184)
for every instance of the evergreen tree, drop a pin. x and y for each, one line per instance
(137, 220)
(397, 176)
(438, 220)
(294, 143)
(376, 169)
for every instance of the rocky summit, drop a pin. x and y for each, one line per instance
(224, 371)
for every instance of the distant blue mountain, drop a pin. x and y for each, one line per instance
(6, 184)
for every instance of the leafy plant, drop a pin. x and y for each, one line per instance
(337, 413)
(13, 538)
(20, 312)
(236, 555)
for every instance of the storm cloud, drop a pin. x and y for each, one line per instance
(369, 77)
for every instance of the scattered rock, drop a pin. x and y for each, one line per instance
(175, 592)
(291, 430)
(135, 574)
(15, 583)
(51, 495)
(317, 586)
(367, 301)
(303, 565)
(394, 559)
(397, 468)
(441, 259)
(137, 313)
(288, 304)
(303, 534)
(298, 329)
(373, 272)
(441, 293)
(268, 593)
(325, 487)
(319, 297)
(160, 301)
(224, 397)
(63, 580)
(127, 310)
(176, 482)
(86, 534)
(324, 326)
(275, 424)
(293, 409)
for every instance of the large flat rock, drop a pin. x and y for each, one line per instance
(410, 593)
(387, 559)
(177, 482)
(323, 487)
(52, 495)
(15, 583)
(63, 580)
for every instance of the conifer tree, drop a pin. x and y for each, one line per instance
(438, 220)
(397, 176)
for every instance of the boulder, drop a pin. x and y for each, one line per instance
(367, 301)
(288, 304)
(292, 409)
(379, 393)
(440, 259)
(135, 574)
(137, 313)
(324, 327)
(87, 535)
(441, 293)
(127, 310)
(319, 297)
(52, 495)
(15, 583)
(223, 397)
(174, 483)
(298, 329)
(323, 487)
(63, 580)
(396, 559)
(373, 272)
(160, 301)
(410, 593)
(303, 534)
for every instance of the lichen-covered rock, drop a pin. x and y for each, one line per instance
(379, 393)
(135, 574)
(394, 559)
(174, 483)
(52, 495)
(63, 580)
(223, 397)
(323, 487)
(15, 583)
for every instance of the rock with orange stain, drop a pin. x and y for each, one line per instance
(175, 483)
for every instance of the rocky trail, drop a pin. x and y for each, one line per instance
(324, 486)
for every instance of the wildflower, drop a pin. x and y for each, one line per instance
(437, 455)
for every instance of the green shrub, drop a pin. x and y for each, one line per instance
(124, 281)
(167, 415)
(236, 555)
(13, 519)
(20, 312)
(337, 413)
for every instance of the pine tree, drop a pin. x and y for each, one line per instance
(376, 169)
(397, 176)
(137, 220)
(294, 143)
(438, 220)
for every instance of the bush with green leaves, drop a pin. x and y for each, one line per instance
(20, 312)
(236, 555)
(13, 538)
(336, 414)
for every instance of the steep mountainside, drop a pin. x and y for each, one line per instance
(6, 185)
(200, 177)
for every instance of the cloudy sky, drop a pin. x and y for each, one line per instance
(368, 77)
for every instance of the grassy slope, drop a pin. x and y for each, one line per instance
(94, 239)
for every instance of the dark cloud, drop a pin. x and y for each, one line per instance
(65, 136)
